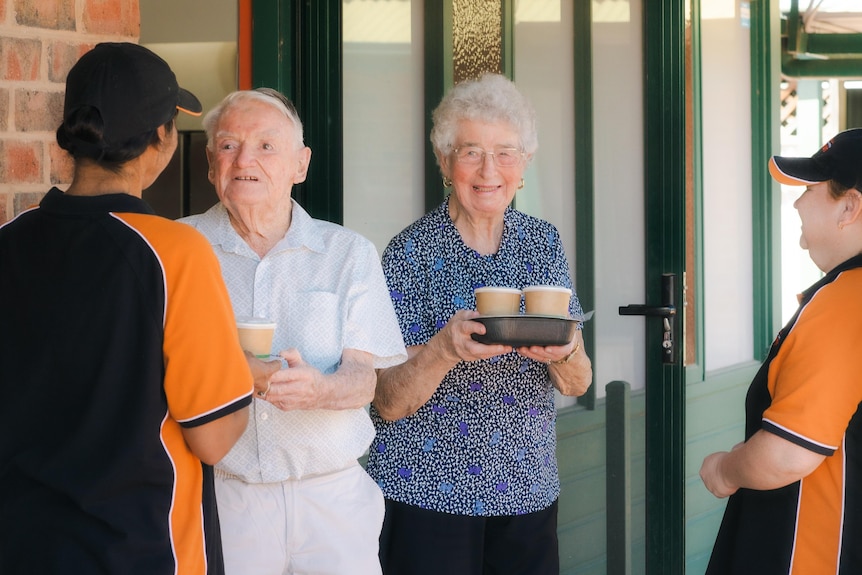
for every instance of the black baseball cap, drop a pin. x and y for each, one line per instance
(840, 160)
(133, 89)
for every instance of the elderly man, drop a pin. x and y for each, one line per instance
(292, 497)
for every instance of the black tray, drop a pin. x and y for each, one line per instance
(526, 330)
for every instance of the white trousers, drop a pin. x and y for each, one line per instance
(323, 525)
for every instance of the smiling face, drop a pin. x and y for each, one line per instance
(254, 160)
(483, 190)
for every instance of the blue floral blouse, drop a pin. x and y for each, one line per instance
(485, 443)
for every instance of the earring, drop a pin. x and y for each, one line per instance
(521, 185)
(447, 183)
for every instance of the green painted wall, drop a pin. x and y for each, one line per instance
(582, 520)
(714, 422)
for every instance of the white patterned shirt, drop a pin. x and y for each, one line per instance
(324, 286)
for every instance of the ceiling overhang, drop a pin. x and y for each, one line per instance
(821, 45)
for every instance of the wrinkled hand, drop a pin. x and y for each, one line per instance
(455, 339)
(548, 353)
(298, 386)
(712, 476)
(261, 371)
(572, 378)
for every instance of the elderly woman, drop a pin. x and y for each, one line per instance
(465, 444)
(795, 506)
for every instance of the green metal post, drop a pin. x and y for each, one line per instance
(583, 161)
(618, 482)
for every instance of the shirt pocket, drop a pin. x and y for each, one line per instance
(315, 327)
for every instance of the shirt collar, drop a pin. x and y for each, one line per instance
(56, 201)
(852, 263)
(301, 234)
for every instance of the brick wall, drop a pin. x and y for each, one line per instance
(39, 42)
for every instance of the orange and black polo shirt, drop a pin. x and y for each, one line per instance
(117, 332)
(809, 392)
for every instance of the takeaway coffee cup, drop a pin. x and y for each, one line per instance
(547, 300)
(498, 300)
(255, 335)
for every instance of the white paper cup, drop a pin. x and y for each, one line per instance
(547, 300)
(255, 335)
(498, 300)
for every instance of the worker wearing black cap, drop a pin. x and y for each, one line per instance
(795, 483)
(120, 366)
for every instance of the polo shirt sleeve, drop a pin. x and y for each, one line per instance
(814, 380)
(206, 373)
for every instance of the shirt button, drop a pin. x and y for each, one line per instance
(264, 416)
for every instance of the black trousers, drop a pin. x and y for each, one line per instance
(416, 541)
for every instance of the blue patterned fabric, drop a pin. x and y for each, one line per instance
(485, 443)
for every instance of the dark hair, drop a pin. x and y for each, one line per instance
(81, 134)
(837, 189)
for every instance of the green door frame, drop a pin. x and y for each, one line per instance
(665, 249)
(584, 179)
(765, 197)
(310, 74)
(664, 202)
(437, 30)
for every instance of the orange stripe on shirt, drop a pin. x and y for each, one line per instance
(205, 368)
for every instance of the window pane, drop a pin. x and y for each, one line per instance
(619, 191)
(542, 28)
(476, 38)
(726, 157)
(383, 130)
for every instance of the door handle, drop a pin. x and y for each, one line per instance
(666, 311)
(651, 311)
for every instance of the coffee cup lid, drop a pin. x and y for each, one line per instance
(255, 322)
(497, 288)
(547, 288)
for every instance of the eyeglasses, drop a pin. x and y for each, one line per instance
(474, 155)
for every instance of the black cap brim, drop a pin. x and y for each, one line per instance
(188, 103)
(796, 171)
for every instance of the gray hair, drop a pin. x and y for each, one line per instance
(268, 96)
(491, 98)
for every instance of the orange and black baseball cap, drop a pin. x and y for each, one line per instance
(840, 160)
(134, 90)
